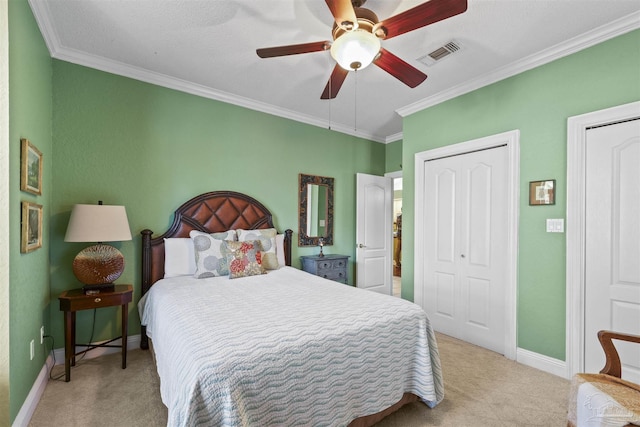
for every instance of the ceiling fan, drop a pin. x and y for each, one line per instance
(357, 33)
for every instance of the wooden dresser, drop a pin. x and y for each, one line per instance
(332, 267)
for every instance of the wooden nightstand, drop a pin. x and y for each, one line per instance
(332, 267)
(75, 300)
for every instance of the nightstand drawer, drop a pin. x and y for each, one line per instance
(95, 301)
(337, 275)
(332, 264)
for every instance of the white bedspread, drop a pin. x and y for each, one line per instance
(287, 349)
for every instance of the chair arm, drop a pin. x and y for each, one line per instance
(612, 366)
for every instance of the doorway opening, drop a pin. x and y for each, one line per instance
(397, 237)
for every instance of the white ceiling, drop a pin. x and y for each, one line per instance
(208, 48)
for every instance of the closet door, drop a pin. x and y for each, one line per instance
(612, 256)
(465, 242)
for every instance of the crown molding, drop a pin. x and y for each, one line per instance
(566, 48)
(393, 138)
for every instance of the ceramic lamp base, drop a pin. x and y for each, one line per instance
(98, 265)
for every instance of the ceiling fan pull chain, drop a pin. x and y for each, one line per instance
(330, 102)
(355, 104)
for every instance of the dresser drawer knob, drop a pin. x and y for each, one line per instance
(97, 300)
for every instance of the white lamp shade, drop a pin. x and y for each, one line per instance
(98, 223)
(355, 50)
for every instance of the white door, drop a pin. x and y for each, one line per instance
(612, 258)
(374, 233)
(465, 244)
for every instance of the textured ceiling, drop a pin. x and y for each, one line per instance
(208, 48)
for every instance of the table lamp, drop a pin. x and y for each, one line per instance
(98, 266)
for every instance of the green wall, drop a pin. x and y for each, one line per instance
(5, 211)
(151, 149)
(538, 102)
(393, 156)
(30, 94)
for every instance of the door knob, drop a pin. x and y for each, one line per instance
(462, 256)
(360, 245)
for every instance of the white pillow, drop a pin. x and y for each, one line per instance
(179, 257)
(280, 250)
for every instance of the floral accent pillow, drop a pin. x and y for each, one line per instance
(244, 258)
(211, 255)
(267, 238)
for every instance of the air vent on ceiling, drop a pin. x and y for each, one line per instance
(440, 53)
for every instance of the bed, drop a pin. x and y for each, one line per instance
(281, 348)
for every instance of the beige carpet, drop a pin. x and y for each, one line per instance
(482, 388)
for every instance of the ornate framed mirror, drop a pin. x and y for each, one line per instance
(315, 210)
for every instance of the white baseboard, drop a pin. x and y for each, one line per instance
(542, 362)
(31, 402)
(33, 398)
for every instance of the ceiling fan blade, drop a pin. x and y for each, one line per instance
(343, 12)
(335, 82)
(399, 69)
(293, 49)
(420, 16)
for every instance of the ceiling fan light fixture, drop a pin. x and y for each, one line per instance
(355, 50)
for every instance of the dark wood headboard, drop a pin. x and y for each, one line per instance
(211, 213)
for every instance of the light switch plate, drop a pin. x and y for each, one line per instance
(555, 225)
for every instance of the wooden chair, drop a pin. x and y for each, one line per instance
(605, 399)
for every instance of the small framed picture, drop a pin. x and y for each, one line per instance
(542, 192)
(31, 236)
(30, 168)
